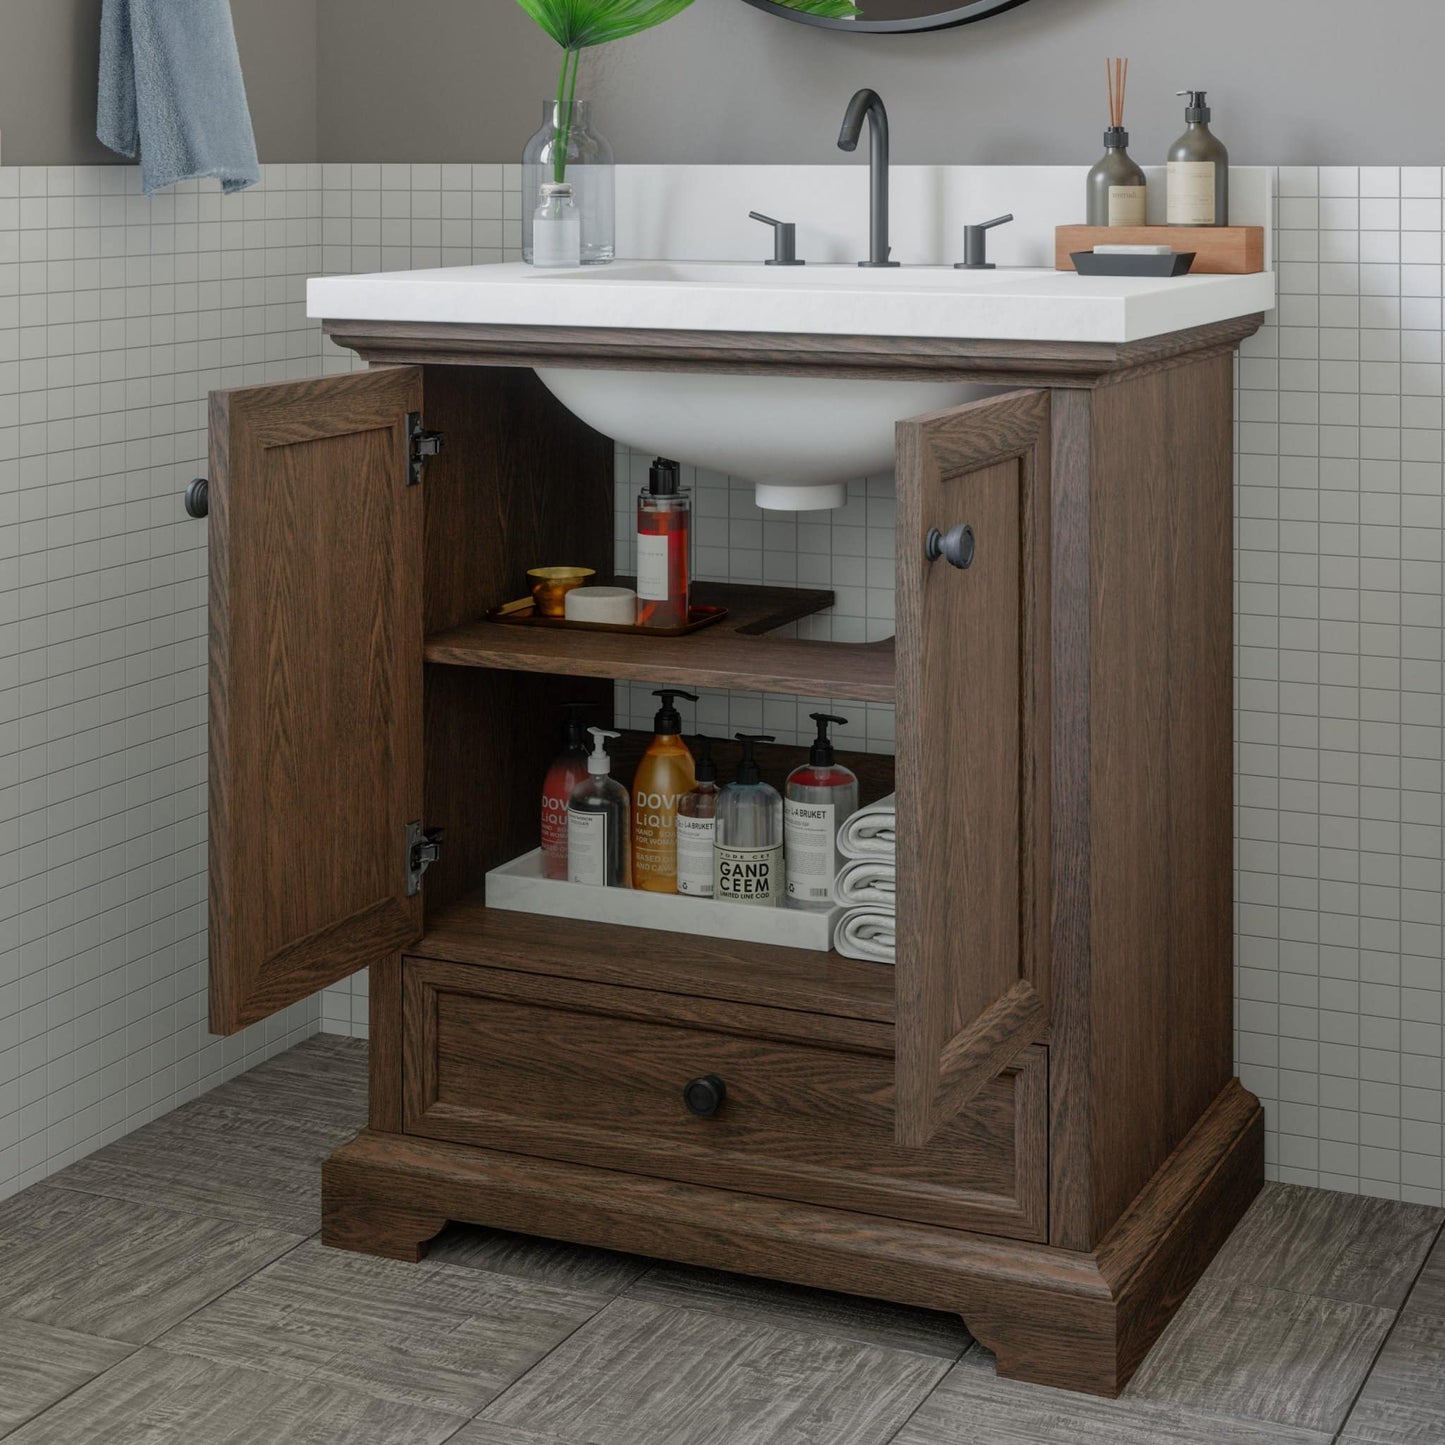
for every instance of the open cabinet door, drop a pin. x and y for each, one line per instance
(315, 685)
(971, 737)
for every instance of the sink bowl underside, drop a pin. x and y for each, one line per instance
(799, 439)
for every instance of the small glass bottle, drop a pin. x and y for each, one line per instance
(696, 826)
(556, 227)
(747, 845)
(664, 540)
(1116, 186)
(569, 148)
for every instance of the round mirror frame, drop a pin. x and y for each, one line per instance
(958, 15)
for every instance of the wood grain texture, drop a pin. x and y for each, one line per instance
(547, 1261)
(593, 1074)
(683, 963)
(972, 1403)
(972, 764)
(1265, 1354)
(430, 1337)
(642, 1372)
(1218, 250)
(725, 655)
(40, 1364)
(315, 685)
(1039, 363)
(384, 1034)
(119, 1269)
(1403, 1399)
(1056, 1316)
(165, 1399)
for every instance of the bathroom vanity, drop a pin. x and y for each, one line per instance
(1032, 1121)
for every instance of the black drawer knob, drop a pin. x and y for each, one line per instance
(704, 1096)
(956, 546)
(198, 501)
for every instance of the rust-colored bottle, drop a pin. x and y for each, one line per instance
(664, 776)
(664, 540)
(568, 769)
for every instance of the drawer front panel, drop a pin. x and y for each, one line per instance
(595, 1075)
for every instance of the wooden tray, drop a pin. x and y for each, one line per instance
(523, 613)
(1219, 250)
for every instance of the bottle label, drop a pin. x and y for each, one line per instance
(554, 836)
(748, 875)
(1191, 193)
(694, 855)
(587, 850)
(652, 566)
(809, 830)
(1126, 205)
(654, 835)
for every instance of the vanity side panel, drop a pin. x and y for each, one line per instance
(1160, 765)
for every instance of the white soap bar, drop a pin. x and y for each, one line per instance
(615, 605)
(1132, 251)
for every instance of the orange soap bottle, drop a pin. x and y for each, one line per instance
(665, 774)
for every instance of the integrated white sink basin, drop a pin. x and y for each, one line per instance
(799, 439)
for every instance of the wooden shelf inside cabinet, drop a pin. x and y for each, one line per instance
(799, 979)
(735, 653)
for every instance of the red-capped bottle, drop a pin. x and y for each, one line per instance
(664, 543)
(568, 769)
(819, 797)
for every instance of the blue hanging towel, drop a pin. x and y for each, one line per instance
(171, 91)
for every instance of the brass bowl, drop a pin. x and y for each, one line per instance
(550, 586)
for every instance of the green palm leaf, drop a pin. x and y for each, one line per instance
(578, 24)
(830, 9)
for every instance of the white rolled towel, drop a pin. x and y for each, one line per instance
(867, 880)
(866, 932)
(871, 832)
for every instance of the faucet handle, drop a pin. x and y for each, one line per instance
(785, 241)
(975, 245)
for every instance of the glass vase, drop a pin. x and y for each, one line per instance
(568, 148)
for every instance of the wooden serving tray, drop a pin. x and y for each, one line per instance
(523, 613)
(1219, 250)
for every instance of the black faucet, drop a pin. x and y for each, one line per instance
(867, 103)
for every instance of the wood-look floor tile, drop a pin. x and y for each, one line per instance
(769, 1302)
(547, 1261)
(1403, 1402)
(1428, 1296)
(119, 1270)
(479, 1432)
(433, 1336)
(212, 1159)
(1265, 1354)
(1335, 1246)
(323, 1080)
(40, 1365)
(973, 1404)
(158, 1399)
(640, 1374)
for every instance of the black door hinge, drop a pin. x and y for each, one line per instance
(423, 848)
(424, 444)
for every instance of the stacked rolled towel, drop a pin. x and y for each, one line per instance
(867, 883)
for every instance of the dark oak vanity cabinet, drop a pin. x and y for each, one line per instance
(1032, 1121)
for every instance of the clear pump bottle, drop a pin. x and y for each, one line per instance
(748, 842)
(597, 818)
(697, 827)
(818, 798)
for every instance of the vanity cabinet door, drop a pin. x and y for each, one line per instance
(972, 765)
(315, 685)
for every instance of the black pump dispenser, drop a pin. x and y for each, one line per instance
(1197, 111)
(823, 754)
(574, 726)
(664, 478)
(668, 721)
(748, 770)
(706, 767)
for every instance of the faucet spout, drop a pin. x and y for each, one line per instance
(867, 104)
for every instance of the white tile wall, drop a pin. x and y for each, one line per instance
(116, 315)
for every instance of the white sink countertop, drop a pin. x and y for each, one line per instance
(1013, 304)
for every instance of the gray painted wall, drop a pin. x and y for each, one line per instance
(1294, 81)
(48, 56)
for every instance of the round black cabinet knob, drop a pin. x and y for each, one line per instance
(704, 1096)
(956, 546)
(198, 501)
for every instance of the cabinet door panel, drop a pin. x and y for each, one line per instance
(972, 753)
(315, 685)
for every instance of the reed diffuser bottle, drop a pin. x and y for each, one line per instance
(1117, 194)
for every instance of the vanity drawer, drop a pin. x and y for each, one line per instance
(595, 1075)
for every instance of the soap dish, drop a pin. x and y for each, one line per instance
(1090, 263)
(523, 613)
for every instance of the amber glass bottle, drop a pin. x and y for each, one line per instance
(664, 537)
(665, 775)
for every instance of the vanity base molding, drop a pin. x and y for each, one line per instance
(1080, 1321)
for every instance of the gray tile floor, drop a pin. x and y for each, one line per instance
(171, 1290)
